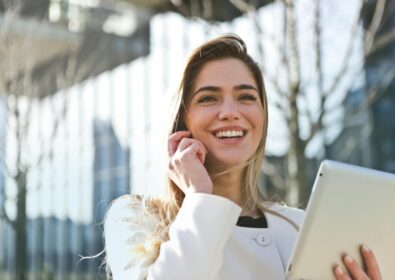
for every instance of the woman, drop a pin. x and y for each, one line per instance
(215, 222)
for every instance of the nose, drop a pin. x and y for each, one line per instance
(229, 110)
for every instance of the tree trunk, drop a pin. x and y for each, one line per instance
(21, 229)
(297, 194)
(296, 159)
(297, 178)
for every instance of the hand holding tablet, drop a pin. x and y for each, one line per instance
(369, 270)
(349, 206)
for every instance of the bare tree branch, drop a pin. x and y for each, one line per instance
(353, 142)
(383, 40)
(346, 60)
(273, 81)
(293, 60)
(378, 89)
(298, 88)
(371, 32)
(374, 90)
(181, 7)
(243, 6)
(294, 67)
(4, 214)
(58, 118)
(295, 158)
(247, 8)
(7, 171)
(316, 125)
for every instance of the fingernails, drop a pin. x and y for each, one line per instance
(348, 259)
(365, 249)
(339, 270)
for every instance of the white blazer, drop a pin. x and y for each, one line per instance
(204, 243)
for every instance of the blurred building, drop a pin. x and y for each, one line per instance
(6, 251)
(56, 245)
(74, 34)
(85, 43)
(368, 137)
(111, 180)
(380, 73)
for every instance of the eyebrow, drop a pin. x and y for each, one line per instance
(214, 88)
(245, 86)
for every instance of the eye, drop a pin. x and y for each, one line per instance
(248, 97)
(207, 98)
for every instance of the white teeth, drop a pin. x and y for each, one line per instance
(229, 133)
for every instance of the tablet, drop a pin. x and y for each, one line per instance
(348, 206)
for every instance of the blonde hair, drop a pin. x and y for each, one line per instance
(227, 46)
(165, 210)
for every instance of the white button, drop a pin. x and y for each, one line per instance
(263, 239)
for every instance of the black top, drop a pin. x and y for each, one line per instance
(247, 221)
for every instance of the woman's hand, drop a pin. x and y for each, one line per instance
(370, 271)
(186, 165)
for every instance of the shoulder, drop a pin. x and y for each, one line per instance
(279, 212)
(284, 223)
(124, 208)
(291, 212)
(133, 210)
(130, 228)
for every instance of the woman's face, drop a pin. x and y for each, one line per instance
(225, 113)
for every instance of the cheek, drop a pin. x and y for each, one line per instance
(197, 120)
(258, 120)
(194, 125)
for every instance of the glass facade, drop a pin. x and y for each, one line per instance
(369, 119)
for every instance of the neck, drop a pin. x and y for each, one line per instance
(230, 185)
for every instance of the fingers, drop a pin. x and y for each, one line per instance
(185, 142)
(199, 151)
(357, 272)
(175, 139)
(340, 273)
(191, 145)
(201, 154)
(186, 163)
(180, 140)
(186, 167)
(190, 150)
(354, 268)
(372, 267)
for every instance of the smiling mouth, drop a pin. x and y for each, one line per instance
(230, 134)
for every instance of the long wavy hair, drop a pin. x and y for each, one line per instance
(165, 210)
(227, 46)
(156, 215)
